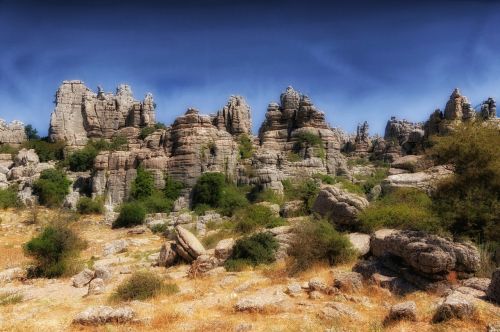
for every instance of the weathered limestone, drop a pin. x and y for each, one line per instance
(235, 117)
(81, 114)
(424, 180)
(455, 305)
(429, 255)
(493, 290)
(12, 133)
(102, 314)
(402, 311)
(339, 205)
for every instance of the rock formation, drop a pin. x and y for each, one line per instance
(339, 205)
(12, 133)
(235, 117)
(81, 114)
(362, 142)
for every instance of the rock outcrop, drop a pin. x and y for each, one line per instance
(493, 290)
(80, 114)
(12, 133)
(339, 205)
(235, 117)
(102, 314)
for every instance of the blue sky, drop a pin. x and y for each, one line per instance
(362, 61)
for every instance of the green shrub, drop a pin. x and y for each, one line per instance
(208, 189)
(318, 241)
(266, 195)
(293, 157)
(54, 250)
(8, 198)
(255, 216)
(8, 149)
(304, 190)
(173, 188)
(82, 160)
(131, 214)
(143, 185)
(117, 143)
(52, 187)
(245, 147)
(402, 208)
(324, 178)
(201, 209)
(157, 203)
(307, 140)
(469, 201)
(257, 249)
(212, 190)
(10, 298)
(143, 285)
(87, 205)
(146, 131)
(160, 228)
(375, 179)
(45, 150)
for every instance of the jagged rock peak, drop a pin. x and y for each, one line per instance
(235, 117)
(12, 133)
(458, 107)
(489, 109)
(290, 99)
(81, 114)
(362, 133)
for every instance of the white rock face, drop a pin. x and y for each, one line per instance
(102, 314)
(12, 133)
(360, 242)
(115, 247)
(425, 180)
(96, 286)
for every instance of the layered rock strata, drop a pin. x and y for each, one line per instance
(12, 133)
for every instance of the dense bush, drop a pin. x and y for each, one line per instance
(146, 131)
(117, 143)
(82, 160)
(143, 285)
(249, 219)
(173, 188)
(403, 208)
(307, 140)
(8, 149)
(258, 194)
(45, 150)
(304, 190)
(156, 203)
(212, 190)
(318, 241)
(245, 147)
(469, 201)
(8, 198)
(87, 205)
(143, 185)
(52, 187)
(31, 132)
(254, 250)
(131, 214)
(54, 250)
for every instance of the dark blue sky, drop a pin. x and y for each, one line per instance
(362, 61)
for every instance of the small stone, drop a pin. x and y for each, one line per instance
(115, 247)
(96, 286)
(293, 289)
(403, 311)
(348, 281)
(83, 278)
(315, 295)
(224, 249)
(317, 284)
(102, 272)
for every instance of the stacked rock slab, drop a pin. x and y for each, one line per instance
(12, 133)
(235, 117)
(81, 114)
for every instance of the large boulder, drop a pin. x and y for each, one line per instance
(360, 242)
(430, 255)
(339, 205)
(12, 133)
(494, 287)
(188, 246)
(455, 305)
(168, 255)
(265, 299)
(424, 180)
(402, 311)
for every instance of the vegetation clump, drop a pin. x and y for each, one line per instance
(87, 205)
(131, 214)
(245, 146)
(143, 285)
(402, 208)
(318, 241)
(54, 251)
(8, 198)
(249, 219)
(257, 249)
(52, 187)
(304, 190)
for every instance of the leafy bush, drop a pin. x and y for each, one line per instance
(156, 203)
(305, 190)
(254, 250)
(117, 143)
(143, 185)
(266, 195)
(51, 187)
(146, 131)
(143, 285)
(173, 188)
(375, 179)
(160, 228)
(318, 241)
(212, 190)
(131, 214)
(245, 147)
(8, 149)
(307, 140)
(403, 208)
(249, 219)
(293, 157)
(53, 250)
(87, 205)
(45, 150)
(82, 160)
(8, 198)
(324, 178)
(469, 201)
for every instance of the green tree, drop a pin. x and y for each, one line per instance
(52, 187)
(31, 132)
(143, 185)
(208, 189)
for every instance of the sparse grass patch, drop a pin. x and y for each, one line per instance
(210, 241)
(143, 285)
(10, 298)
(8, 198)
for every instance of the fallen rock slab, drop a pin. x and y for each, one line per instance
(83, 278)
(268, 298)
(102, 314)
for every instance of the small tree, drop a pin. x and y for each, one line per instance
(208, 189)
(245, 147)
(53, 250)
(131, 214)
(257, 249)
(52, 187)
(173, 188)
(82, 160)
(31, 132)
